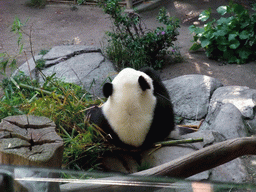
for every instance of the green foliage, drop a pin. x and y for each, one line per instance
(144, 166)
(43, 52)
(80, 2)
(66, 105)
(36, 3)
(130, 45)
(10, 102)
(17, 29)
(231, 39)
(40, 63)
(6, 60)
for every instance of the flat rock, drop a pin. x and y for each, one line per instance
(82, 65)
(240, 96)
(190, 94)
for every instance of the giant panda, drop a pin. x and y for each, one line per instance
(138, 110)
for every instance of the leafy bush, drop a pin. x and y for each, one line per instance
(65, 104)
(131, 45)
(231, 39)
(36, 3)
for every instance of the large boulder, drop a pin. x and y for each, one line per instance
(233, 171)
(227, 120)
(82, 65)
(240, 96)
(190, 94)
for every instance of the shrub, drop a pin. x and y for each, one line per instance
(65, 104)
(131, 45)
(36, 3)
(231, 39)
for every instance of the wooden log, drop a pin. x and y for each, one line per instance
(191, 164)
(30, 141)
(204, 159)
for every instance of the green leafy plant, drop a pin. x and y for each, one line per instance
(65, 104)
(80, 2)
(131, 45)
(43, 52)
(36, 3)
(231, 38)
(6, 60)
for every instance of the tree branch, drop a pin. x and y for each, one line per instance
(190, 164)
(204, 159)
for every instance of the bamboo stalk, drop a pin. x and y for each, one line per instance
(22, 85)
(176, 142)
(35, 88)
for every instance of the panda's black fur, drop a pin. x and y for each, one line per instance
(163, 120)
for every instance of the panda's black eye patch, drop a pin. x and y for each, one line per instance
(143, 83)
(107, 89)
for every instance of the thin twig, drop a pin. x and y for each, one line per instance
(28, 66)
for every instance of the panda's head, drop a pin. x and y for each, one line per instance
(130, 105)
(127, 81)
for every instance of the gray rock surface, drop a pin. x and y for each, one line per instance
(241, 97)
(251, 126)
(209, 138)
(233, 171)
(120, 162)
(227, 120)
(166, 154)
(82, 65)
(190, 94)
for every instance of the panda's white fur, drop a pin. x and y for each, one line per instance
(131, 107)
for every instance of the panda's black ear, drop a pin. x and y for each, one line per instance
(143, 83)
(107, 89)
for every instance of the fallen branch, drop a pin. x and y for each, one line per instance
(191, 164)
(204, 159)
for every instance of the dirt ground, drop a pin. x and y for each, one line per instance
(57, 24)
